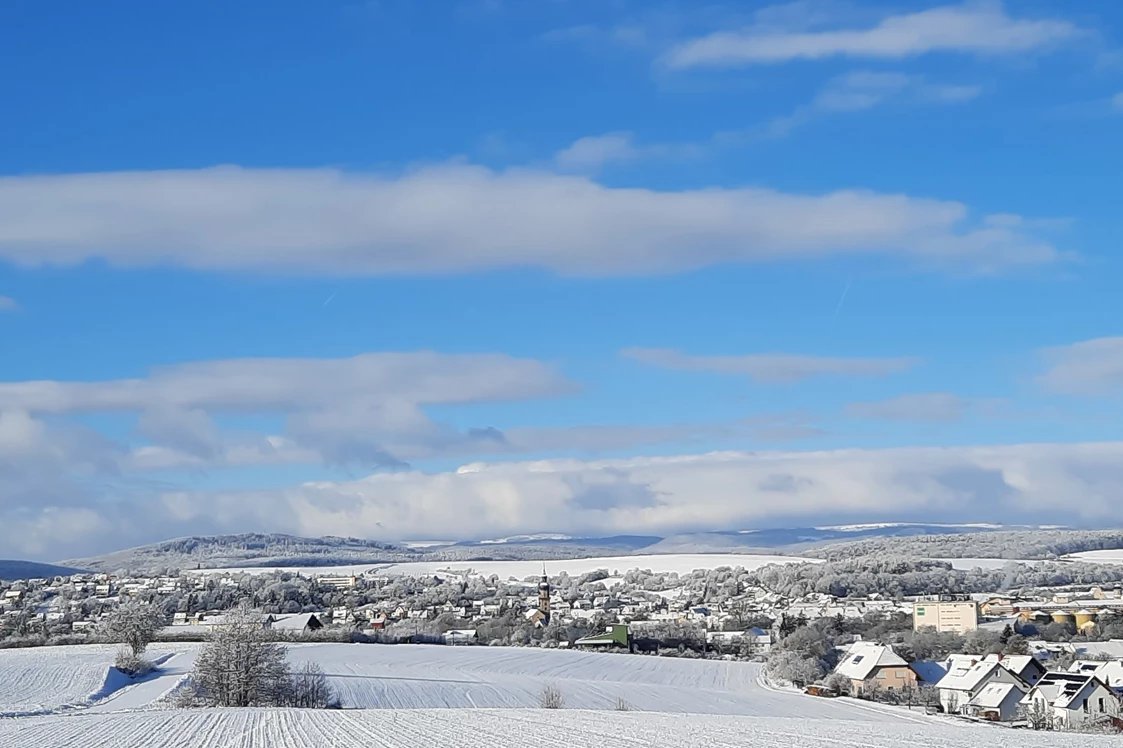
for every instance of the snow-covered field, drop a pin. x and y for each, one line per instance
(966, 564)
(373, 676)
(418, 676)
(399, 695)
(46, 679)
(682, 563)
(505, 728)
(1113, 556)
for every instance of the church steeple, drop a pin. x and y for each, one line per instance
(544, 596)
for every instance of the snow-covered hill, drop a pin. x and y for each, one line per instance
(10, 570)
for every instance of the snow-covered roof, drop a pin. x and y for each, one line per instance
(1063, 689)
(866, 657)
(1113, 648)
(1110, 672)
(1016, 664)
(994, 695)
(294, 622)
(967, 679)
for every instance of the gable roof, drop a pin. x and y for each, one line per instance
(864, 658)
(970, 678)
(1017, 664)
(994, 695)
(1110, 672)
(1064, 690)
(295, 622)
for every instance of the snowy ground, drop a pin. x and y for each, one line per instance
(482, 728)
(418, 676)
(399, 695)
(47, 679)
(966, 564)
(373, 676)
(1114, 556)
(683, 563)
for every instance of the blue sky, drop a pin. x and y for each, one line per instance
(643, 267)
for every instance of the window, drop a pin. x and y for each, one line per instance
(858, 658)
(1101, 704)
(1085, 705)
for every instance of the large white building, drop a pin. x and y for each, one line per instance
(946, 614)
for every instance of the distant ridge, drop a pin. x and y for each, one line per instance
(277, 549)
(10, 570)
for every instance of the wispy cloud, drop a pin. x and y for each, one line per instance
(1117, 101)
(590, 154)
(929, 406)
(772, 368)
(1090, 367)
(980, 28)
(8, 304)
(459, 218)
(863, 89)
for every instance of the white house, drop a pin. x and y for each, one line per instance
(965, 680)
(1071, 700)
(1110, 672)
(996, 701)
(1026, 667)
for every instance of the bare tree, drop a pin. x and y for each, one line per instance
(622, 705)
(310, 688)
(1037, 714)
(552, 698)
(951, 704)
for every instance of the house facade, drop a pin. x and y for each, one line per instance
(966, 679)
(874, 667)
(1070, 701)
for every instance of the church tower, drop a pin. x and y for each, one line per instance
(544, 597)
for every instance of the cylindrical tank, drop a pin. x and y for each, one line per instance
(1084, 617)
(1063, 616)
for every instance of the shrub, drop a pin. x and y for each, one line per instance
(552, 698)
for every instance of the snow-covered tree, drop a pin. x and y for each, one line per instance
(133, 624)
(241, 665)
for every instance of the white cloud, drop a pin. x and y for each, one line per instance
(929, 406)
(592, 153)
(979, 28)
(367, 409)
(456, 218)
(863, 89)
(1117, 101)
(772, 368)
(658, 495)
(1091, 367)
(7, 304)
(950, 94)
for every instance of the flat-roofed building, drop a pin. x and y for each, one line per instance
(946, 614)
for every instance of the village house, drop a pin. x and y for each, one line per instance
(966, 678)
(1070, 701)
(1026, 667)
(998, 702)
(1110, 672)
(297, 623)
(873, 667)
